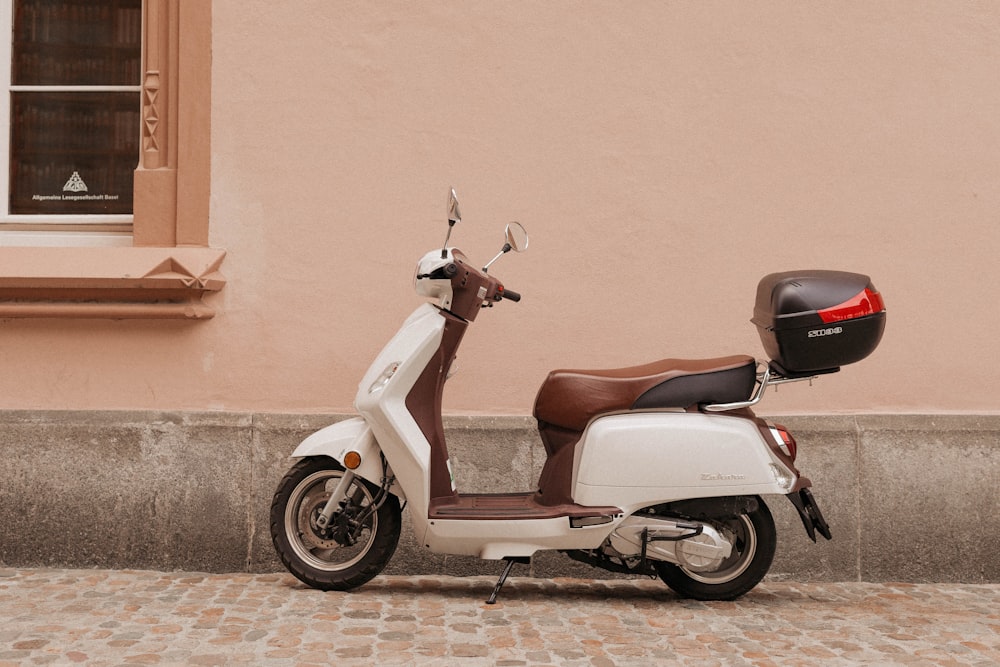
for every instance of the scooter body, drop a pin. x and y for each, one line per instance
(652, 469)
(657, 456)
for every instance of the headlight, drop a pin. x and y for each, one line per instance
(382, 380)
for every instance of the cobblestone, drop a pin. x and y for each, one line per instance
(104, 617)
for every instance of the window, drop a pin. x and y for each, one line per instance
(72, 105)
(108, 105)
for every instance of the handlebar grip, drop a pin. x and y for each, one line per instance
(510, 294)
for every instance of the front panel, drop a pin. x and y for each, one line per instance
(381, 400)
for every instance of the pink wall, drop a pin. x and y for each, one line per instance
(663, 157)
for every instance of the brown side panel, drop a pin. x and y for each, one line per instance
(555, 438)
(556, 480)
(424, 403)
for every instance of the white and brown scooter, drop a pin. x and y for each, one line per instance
(656, 469)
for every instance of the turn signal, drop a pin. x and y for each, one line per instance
(352, 460)
(784, 440)
(782, 477)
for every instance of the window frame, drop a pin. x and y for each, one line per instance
(169, 267)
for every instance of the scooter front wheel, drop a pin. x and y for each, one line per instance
(352, 548)
(754, 540)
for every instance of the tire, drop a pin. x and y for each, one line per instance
(325, 558)
(754, 541)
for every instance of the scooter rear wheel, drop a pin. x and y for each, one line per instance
(754, 541)
(356, 544)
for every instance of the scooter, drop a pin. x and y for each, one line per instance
(654, 470)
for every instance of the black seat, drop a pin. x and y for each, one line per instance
(729, 385)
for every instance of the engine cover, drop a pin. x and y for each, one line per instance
(693, 545)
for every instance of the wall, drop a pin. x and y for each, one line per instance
(662, 157)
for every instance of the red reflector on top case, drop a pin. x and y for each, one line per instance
(868, 302)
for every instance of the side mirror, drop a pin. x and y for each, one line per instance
(517, 237)
(517, 240)
(454, 215)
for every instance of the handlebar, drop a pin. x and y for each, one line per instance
(509, 294)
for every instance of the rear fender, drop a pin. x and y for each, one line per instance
(336, 440)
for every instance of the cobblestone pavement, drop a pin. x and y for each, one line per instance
(104, 617)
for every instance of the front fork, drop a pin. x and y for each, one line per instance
(809, 512)
(339, 495)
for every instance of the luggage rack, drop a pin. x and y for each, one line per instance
(772, 375)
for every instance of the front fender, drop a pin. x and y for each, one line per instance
(338, 439)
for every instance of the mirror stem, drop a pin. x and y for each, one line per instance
(444, 250)
(506, 248)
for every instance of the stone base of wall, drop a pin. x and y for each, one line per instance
(909, 498)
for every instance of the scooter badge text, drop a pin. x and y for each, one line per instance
(721, 477)
(832, 331)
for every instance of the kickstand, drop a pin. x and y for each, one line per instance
(503, 575)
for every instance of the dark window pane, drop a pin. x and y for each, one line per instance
(73, 152)
(77, 42)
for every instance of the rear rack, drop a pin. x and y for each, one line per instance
(772, 375)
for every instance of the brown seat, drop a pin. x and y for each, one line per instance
(571, 398)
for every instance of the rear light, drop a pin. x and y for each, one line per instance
(864, 303)
(784, 440)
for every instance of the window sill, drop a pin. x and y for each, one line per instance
(109, 283)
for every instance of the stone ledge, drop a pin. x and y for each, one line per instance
(109, 283)
(909, 497)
